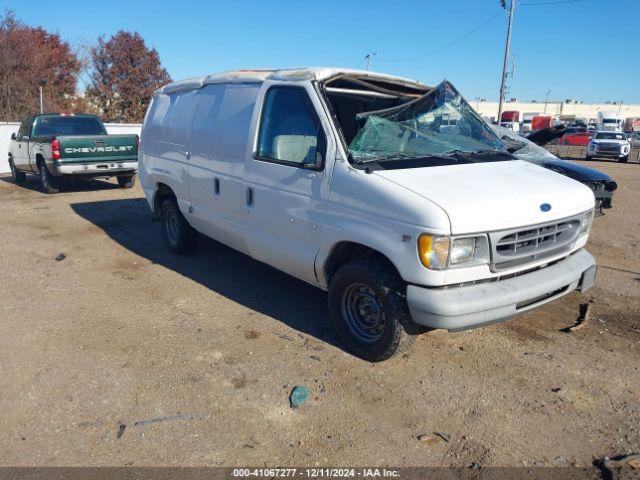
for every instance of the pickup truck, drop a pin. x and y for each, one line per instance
(58, 146)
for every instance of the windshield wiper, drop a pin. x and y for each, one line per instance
(483, 153)
(403, 156)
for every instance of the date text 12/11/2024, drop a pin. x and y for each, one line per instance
(316, 472)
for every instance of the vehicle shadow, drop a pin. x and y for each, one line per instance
(219, 268)
(76, 185)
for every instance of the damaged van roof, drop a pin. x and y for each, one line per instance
(292, 74)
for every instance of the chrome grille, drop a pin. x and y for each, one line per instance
(608, 147)
(511, 248)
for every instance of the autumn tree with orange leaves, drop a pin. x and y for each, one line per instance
(31, 57)
(125, 73)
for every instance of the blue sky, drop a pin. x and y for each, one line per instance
(576, 50)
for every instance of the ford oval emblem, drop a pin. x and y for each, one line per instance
(545, 207)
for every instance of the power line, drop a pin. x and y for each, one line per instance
(549, 3)
(444, 47)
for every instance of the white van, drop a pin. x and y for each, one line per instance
(394, 196)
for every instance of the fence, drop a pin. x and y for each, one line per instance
(579, 152)
(7, 128)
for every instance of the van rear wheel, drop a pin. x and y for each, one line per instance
(179, 236)
(368, 308)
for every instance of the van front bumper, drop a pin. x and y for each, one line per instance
(470, 306)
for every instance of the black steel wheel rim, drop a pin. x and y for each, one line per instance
(363, 312)
(171, 226)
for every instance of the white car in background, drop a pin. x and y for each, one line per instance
(609, 145)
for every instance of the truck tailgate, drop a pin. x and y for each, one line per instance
(98, 148)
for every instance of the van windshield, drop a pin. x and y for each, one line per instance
(440, 123)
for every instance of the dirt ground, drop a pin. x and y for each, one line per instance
(121, 331)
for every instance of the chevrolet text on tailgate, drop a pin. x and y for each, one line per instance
(59, 146)
(394, 196)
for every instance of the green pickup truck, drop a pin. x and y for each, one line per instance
(58, 146)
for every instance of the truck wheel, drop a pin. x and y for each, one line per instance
(16, 175)
(48, 183)
(368, 308)
(624, 159)
(179, 236)
(126, 181)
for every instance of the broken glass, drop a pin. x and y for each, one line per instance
(438, 123)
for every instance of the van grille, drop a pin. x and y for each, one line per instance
(516, 247)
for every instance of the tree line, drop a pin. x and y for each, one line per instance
(121, 73)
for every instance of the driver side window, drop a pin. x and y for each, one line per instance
(290, 131)
(23, 131)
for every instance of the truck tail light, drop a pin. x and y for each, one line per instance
(55, 149)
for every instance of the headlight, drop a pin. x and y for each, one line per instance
(587, 221)
(434, 251)
(438, 252)
(462, 250)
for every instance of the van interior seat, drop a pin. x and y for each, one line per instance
(295, 148)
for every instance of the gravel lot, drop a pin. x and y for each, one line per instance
(121, 331)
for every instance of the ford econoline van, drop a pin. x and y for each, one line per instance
(394, 196)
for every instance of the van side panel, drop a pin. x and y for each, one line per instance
(218, 144)
(287, 204)
(163, 145)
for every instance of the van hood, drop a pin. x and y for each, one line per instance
(480, 197)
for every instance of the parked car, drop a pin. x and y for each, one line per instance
(362, 184)
(609, 144)
(600, 183)
(576, 139)
(58, 146)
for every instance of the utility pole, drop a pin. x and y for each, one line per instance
(41, 102)
(546, 101)
(368, 58)
(506, 58)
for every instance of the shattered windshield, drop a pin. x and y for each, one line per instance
(437, 124)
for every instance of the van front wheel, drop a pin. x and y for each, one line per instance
(179, 236)
(368, 308)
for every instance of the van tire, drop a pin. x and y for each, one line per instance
(624, 159)
(48, 183)
(16, 175)
(372, 285)
(179, 236)
(126, 181)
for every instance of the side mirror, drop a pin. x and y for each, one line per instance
(13, 136)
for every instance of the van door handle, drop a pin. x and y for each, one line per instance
(249, 196)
